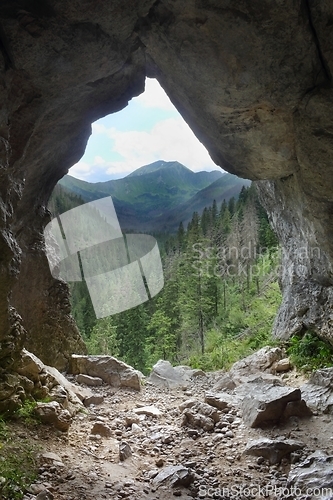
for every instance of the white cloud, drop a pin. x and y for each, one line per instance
(168, 140)
(98, 128)
(154, 96)
(81, 170)
(85, 171)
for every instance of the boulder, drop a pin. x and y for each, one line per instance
(47, 381)
(265, 404)
(242, 390)
(272, 450)
(260, 361)
(30, 366)
(314, 473)
(168, 376)
(50, 457)
(219, 400)
(75, 394)
(112, 371)
(52, 414)
(200, 415)
(174, 475)
(45, 495)
(318, 391)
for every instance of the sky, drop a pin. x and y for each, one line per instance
(148, 129)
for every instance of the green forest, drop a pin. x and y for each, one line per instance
(220, 296)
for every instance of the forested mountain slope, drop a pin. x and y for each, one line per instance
(220, 285)
(157, 197)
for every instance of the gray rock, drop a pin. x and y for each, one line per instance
(124, 451)
(316, 473)
(272, 450)
(260, 361)
(136, 428)
(112, 371)
(76, 394)
(283, 365)
(265, 404)
(57, 387)
(196, 372)
(95, 399)
(168, 376)
(318, 391)
(59, 394)
(200, 415)
(52, 414)
(219, 400)
(225, 382)
(187, 404)
(150, 411)
(31, 366)
(261, 379)
(86, 379)
(174, 475)
(297, 409)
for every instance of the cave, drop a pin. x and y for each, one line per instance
(253, 79)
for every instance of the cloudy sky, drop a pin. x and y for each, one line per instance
(148, 129)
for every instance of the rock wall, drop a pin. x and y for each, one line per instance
(252, 78)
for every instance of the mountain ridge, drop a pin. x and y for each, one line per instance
(158, 196)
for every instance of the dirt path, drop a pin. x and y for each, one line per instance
(87, 466)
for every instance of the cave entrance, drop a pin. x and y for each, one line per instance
(211, 232)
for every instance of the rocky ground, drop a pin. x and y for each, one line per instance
(139, 445)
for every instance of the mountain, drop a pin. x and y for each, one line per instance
(225, 187)
(178, 170)
(158, 186)
(156, 197)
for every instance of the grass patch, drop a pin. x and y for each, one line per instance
(27, 412)
(309, 352)
(18, 463)
(223, 352)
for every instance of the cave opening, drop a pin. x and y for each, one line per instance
(163, 182)
(254, 83)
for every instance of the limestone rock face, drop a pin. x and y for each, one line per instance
(44, 304)
(252, 78)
